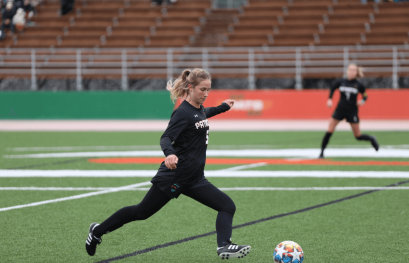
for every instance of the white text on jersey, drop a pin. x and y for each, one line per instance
(348, 89)
(202, 124)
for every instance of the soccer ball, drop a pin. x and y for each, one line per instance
(288, 252)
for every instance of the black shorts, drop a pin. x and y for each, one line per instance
(350, 116)
(174, 189)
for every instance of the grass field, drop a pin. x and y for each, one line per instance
(335, 218)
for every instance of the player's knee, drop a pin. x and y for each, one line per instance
(141, 216)
(139, 213)
(229, 207)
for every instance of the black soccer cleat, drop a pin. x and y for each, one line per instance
(374, 143)
(321, 156)
(92, 241)
(233, 251)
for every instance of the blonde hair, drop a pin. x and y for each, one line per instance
(360, 70)
(179, 88)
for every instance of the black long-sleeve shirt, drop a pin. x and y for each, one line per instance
(187, 136)
(8, 14)
(349, 90)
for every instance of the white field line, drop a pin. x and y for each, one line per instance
(85, 148)
(216, 125)
(299, 153)
(34, 188)
(241, 167)
(216, 174)
(312, 188)
(117, 189)
(222, 188)
(77, 173)
(157, 147)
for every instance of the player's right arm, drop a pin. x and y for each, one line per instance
(177, 124)
(171, 161)
(331, 92)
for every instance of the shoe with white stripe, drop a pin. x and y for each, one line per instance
(92, 241)
(233, 251)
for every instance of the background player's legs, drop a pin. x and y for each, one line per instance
(331, 128)
(153, 201)
(363, 137)
(357, 132)
(212, 197)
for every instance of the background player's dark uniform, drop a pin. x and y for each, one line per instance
(188, 130)
(347, 108)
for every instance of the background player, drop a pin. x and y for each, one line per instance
(348, 106)
(184, 144)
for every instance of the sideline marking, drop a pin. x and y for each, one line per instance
(213, 173)
(32, 188)
(241, 167)
(157, 147)
(117, 189)
(312, 188)
(82, 148)
(247, 224)
(301, 153)
(250, 161)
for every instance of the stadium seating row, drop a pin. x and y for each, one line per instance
(134, 23)
(319, 22)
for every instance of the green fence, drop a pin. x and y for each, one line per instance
(86, 105)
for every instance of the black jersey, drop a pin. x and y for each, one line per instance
(349, 93)
(187, 137)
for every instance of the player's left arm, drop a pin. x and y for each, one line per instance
(225, 106)
(364, 96)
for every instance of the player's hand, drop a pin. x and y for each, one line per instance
(171, 161)
(329, 103)
(229, 102)
(360, 103)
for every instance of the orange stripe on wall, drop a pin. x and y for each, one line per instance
(384, 104)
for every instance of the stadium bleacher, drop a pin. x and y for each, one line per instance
(263, 39)
(134, 23)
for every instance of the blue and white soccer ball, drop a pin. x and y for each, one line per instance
(288, 252)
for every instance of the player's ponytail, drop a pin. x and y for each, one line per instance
(360, 73)
(360, 70)
(179, 88)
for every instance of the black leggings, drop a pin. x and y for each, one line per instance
(155, 199)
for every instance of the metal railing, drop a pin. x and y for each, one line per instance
(250, 63)
(229, 4)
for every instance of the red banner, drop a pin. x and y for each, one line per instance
(306, 104)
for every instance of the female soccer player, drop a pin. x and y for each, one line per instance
(348, 106)
(184, 144)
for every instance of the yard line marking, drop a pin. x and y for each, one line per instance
(77, 173)
(157, 147)
(81, 148)
(300, 153)
(31, 188)
(86, 154)
(215, 174)
(241, 167)
(251, 161)
(311, 188)
(117, 189)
